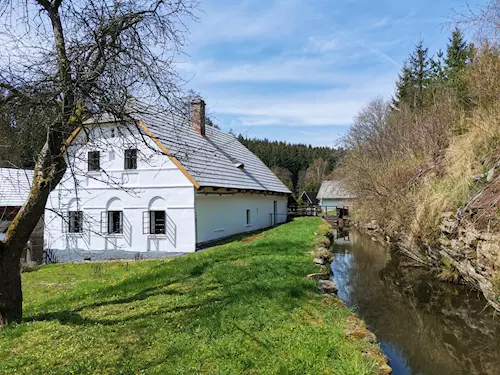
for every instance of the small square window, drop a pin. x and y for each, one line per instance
(157, 222)
(248, 217)
(115, 222)
(94, 160)
(131, 159)
(75, 221)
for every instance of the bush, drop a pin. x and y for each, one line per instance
(408, 165)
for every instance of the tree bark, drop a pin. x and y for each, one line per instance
(11, 296)
(49, 170)
(48, 173)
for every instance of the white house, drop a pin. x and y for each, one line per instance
(333, 194)
(159, 184)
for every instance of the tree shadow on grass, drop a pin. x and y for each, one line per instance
(73, 317)
(282, 282)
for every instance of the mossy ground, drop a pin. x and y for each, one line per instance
(244, 307)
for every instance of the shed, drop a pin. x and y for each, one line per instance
(332, 193)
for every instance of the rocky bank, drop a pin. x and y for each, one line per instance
(468, 245)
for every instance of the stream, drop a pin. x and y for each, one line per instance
(423, 326)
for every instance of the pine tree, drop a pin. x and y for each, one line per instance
(404, 87)
(437, 72)
(420, 68)
(457, 56)
(414, 78)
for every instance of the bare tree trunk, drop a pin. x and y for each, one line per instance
(11, 296)
(49, 170)
(48, 173)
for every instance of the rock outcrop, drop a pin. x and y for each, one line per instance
(467, 248)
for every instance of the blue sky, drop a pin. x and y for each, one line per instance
(299, 70)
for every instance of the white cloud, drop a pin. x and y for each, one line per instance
(329, 74)
(317, 108)
(381, 22)
(322, 44)
(246, 20)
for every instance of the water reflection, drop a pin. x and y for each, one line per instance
(424, 327)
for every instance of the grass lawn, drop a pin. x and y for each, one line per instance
(244, 307)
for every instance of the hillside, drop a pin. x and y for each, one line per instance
(425, 166)
(301, 167)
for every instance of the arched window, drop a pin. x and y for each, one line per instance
(73, 220)
(154, 220)
(112, 219)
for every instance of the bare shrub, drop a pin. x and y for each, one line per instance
(390, 151)
(407, 167)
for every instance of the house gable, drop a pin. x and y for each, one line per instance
(213, 160)
(216, 159)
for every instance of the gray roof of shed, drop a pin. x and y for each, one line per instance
(15, 185)
(211, 160)
(333, 190)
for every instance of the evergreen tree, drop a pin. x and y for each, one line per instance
(421, 71)
(404, 87)
(437, 73)
(457, 56)
(295, 158)
(415, 77)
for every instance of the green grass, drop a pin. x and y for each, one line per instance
(244, 307)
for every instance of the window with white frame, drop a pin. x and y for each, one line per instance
(248, 217)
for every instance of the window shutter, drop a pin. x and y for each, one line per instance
(65, 222)
(121, 222)
(145, 222)
(104, 222)
(79, 223)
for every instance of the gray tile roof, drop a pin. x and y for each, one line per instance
(211, 160)
(333, 190)
(15, 185)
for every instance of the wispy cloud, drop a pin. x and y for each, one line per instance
(267, 65)
(381, 22)
(322, 44)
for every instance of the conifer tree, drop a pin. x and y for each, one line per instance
(414, 78)
(457, 56)
(420, 67)
(437, 69)
(404, 87)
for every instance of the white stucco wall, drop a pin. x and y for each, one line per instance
(156, 181)
(156, 184)
(219, 216)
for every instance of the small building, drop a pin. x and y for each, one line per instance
(158, 184)
(15, 186)
(308, 198)
(332, 194)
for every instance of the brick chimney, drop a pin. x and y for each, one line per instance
(198, 116)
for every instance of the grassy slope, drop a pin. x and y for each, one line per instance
(240, 308)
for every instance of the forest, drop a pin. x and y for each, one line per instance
(300, 167)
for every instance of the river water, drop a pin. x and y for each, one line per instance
(423, 326)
